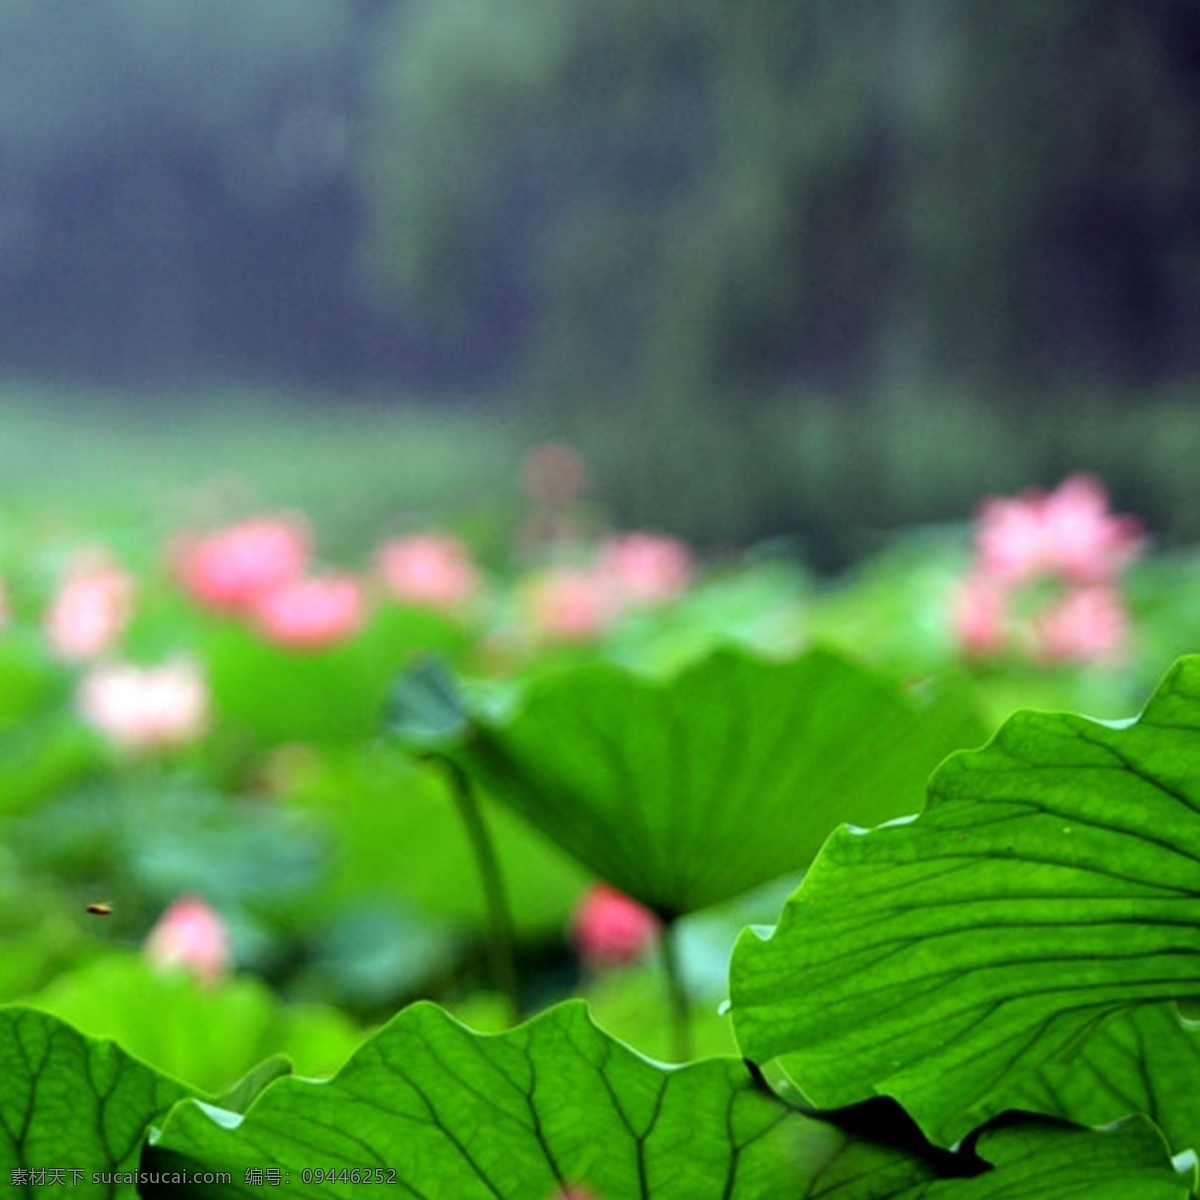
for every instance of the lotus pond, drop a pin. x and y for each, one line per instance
(563, 863)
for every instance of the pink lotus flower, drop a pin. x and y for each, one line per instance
(1073, 550)
(91, 608)
(980, 615)
(311, 614)
(1067, 533)
(1085, 542)
(230, 570)
(646, 568)
(1089, 625)
(146, 708)
(567, 605)
(609, 928)
(430, 570)
(190, 936)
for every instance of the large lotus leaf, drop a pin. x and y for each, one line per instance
(1052, 1162)
(686, 791)
(556, 1108)
(71, 1102)
(1142, 1060)
(550, 1105)
(397, 835)
(1051, 881)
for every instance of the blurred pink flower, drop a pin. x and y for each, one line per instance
(1088, 625)
(91, 608)
(229, 569)
(1010, 538)
(980, 615)
(1085, 542)
(190, 936)
(1068, 532)
(570, 605)
(430, 569)
(146, 708)
(311, 614)
(645, 568)
(609, 928)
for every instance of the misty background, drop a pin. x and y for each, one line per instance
(810, 271)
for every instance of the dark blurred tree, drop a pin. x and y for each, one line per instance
(1048, 163)
(709, 202)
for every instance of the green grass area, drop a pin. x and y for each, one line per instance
(101, 458)
(837, 478)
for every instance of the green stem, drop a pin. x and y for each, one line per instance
(501, 938)
(676, 992)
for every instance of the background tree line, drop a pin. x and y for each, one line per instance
(692, 222)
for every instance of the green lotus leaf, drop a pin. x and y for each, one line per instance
(556, 1108)
(70, 1102)
(1142, 1060)
(527, 1114)
(1060, 1162)
(685, 791)
(1053, 880)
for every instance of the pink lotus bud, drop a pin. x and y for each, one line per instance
(554, 474)
(570, 605)
(430, 570)
(229, 570)
(91, 608)
(609, 928)
(1089, 625)
(190, 936)
(311, 614)
(980, 615)
(645, 568)
(146, 708)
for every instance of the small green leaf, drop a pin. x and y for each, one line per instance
(686, 791)
(426, 709)
(71, 1101)
(1051, 881)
